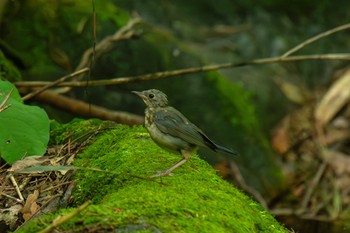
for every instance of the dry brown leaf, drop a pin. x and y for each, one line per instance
(336, 98)
(27, 162)
(292, 129)
(30, 208)
(10, 215)
(339, 162)
(280, 140)
(223, 169)
(60, 57)
(56, 161)
(296, 94)
(341, 122)
(343, 183)
(335, 135)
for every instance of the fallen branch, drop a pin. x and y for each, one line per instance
(83, 109)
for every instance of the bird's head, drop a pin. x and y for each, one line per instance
(153, 98)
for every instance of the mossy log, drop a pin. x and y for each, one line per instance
(193, 199)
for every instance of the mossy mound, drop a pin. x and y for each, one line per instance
(194, 199)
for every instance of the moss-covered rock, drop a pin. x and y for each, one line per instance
(194, 199)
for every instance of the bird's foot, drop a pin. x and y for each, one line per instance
(168, 172)
(161, 174)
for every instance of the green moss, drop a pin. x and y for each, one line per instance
(195, 199)
(76, 129)
(59, 33)
(7, 70)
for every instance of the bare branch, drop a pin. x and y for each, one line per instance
(315, 38)
(165, 74)
(51, 84)
(125, 33)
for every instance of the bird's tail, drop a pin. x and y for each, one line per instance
(215, 147)
(221, 149)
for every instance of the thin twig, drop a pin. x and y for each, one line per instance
(320, 218)
(86, 135)
(55, 187)
(51, 84)
(299, 213)
(313, 185)
(239, 178)
(315, 38)
(59, 221)
(93, 54)
(10, 197)
(16, 187)
(2, 108)
(165, 74)
(125, 33)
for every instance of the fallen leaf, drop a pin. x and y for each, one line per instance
(280, 140)
(334, 100)
(296, 93)
(339, 162)
(335, 135)
(292, 130)
(27, 162)
(10, 216)
(46, 168)
(30, 208)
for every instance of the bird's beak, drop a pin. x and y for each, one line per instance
(139, 93)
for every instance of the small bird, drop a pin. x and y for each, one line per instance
(173, 131)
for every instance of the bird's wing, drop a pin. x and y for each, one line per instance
(172, 122)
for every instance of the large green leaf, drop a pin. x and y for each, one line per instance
(24, 129)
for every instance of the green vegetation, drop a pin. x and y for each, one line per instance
(223, 108)
(195, 199)
(238, 108)
(7, 70)
(24, 129)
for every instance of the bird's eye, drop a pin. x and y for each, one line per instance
(151, 96)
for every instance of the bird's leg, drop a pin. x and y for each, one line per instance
(186, 156)
(168, 171)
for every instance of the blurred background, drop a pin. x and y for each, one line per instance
(293, 159)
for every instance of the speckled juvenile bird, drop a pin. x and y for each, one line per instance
(173, 131)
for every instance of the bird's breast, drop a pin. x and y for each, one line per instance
(149, 119)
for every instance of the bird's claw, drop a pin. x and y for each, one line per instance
(161, 174)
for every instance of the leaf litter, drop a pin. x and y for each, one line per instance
(314, 143)
(36, 185)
